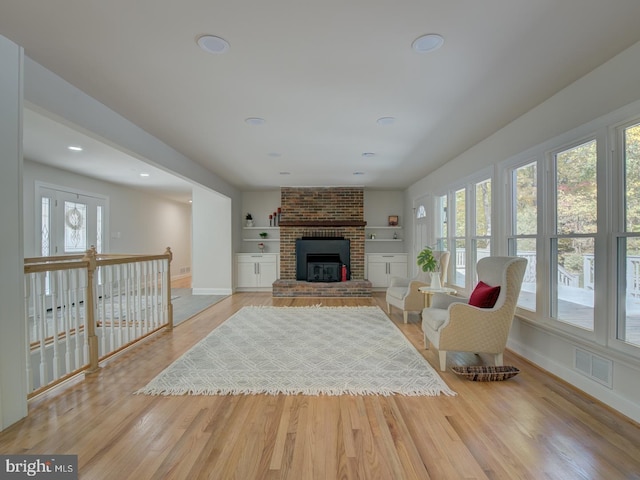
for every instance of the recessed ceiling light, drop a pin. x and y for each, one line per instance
(75, 148)
(212, 44)
(368, 154)
(386, 120)
(144, 174)
(274, 154)
(254, 121)
(427, 43)
(358, 173)
(285, 173)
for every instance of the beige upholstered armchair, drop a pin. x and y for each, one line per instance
(452, 324)
(403, 292)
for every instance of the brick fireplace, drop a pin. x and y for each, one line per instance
(321, 212)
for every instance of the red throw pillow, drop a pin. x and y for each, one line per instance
(484, 296)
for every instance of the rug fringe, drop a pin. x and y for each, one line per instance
(294, 391)
(316, 306)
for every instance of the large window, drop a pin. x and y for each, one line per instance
(459, 243)
(481, 232)
(572, 242)
(628, 315)
(465, 229)
(524, 227)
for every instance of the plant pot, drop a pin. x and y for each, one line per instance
(435, 280)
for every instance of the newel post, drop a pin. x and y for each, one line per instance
(167, 282)
(92, 339)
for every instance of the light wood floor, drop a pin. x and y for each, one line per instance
(532, 426)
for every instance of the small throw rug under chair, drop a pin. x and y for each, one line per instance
(302, 350)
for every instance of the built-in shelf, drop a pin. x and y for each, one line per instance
(390, 227)
(261, 229)
(383, 239)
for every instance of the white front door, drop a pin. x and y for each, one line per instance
(70, 223)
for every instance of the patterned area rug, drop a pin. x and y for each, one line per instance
(301, 350)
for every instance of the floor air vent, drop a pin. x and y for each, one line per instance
(593, 366)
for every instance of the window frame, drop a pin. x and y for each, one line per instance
(468, 185)
(619, 231)
(512, 235)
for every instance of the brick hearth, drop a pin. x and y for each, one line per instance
(295, 288)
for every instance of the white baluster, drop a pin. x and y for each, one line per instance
(101, 319)
(163, 282)
(108, 288)
(27, 297)
(155, 300)
(74, 286)
(68, 306)
(138, 301)
(55, 322)
(122, 332)
(42, 313)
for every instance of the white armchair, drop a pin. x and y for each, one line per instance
(452, 324)
(403, 292)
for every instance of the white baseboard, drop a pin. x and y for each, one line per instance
(211, 291)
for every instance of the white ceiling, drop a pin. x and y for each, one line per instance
(46, 140)
(319, 73)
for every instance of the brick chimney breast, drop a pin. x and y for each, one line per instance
(321, 211)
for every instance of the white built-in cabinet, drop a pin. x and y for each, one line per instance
(380, 267)
(256, 271)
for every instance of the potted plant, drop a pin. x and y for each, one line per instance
(428, 263)
(263, 234)
(249, 218)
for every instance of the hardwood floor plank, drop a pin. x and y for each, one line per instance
(532, 426)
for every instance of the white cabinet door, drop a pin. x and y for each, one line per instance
(246, 274)
(377, 273)
(266, 274)
(398, 268)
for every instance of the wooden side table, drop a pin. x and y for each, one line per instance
(429, 291)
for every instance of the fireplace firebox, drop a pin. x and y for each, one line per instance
(320, 259)
(323, 267)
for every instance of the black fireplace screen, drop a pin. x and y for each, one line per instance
(320, 259)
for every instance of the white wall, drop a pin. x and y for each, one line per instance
(260, 204)
(143, 223)
(13, 400)
(609, 88)
(212, 274)
(379, 204)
